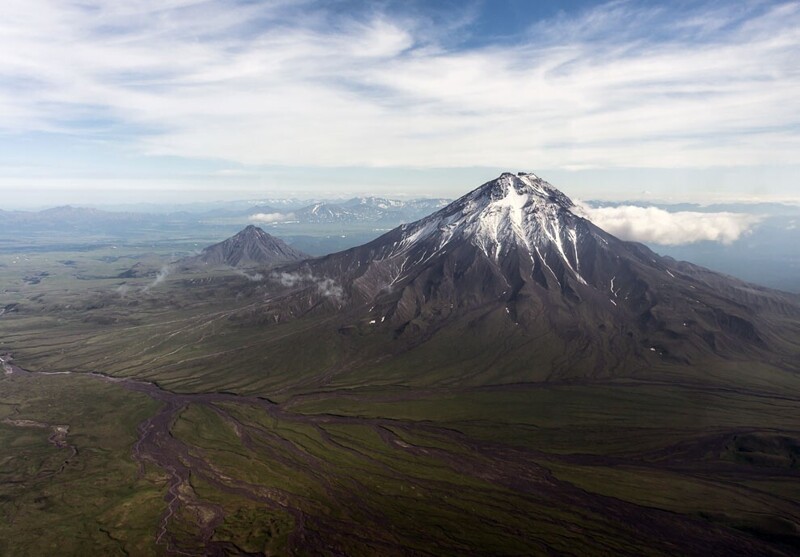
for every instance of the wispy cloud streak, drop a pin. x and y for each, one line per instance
(288, 83)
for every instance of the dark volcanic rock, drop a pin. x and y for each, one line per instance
(251, 246)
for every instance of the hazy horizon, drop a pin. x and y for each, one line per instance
(666, 188)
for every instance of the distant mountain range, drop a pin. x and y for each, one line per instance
(68, 217)
(359, 209)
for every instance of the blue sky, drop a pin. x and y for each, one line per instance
(181, 100)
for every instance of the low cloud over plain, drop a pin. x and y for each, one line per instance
(654, 225)
(271, 217)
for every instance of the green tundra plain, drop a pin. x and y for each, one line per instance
(154, 416)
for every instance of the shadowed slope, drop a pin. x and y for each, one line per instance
(252, 246)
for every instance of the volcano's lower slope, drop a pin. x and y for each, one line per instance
(501, 377)
(506, 285)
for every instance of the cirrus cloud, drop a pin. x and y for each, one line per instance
(621, 84)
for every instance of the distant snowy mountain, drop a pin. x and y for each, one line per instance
(357, 210)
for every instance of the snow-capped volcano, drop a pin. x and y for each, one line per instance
(514, 261)
(513, 212)
(516, 228)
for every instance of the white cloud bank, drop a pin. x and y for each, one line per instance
(271, 217)
(657, 226)
(623, 84)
